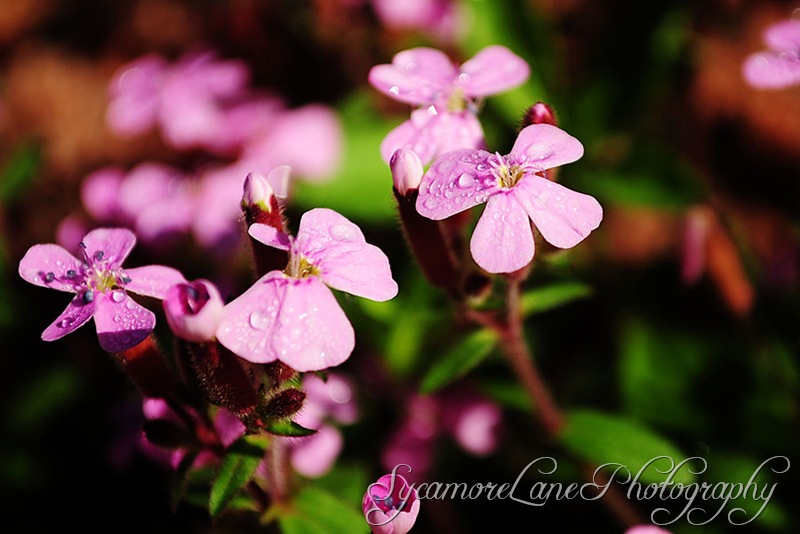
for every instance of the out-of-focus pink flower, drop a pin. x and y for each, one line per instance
(70, 231)
(313, 456)
(391, 505)
(293, 316)
(135, 95)
(779, 66)
(193, 310)
(516, 192)
(439, 18)
(473, 422)
(100, 286)
(100, 195)
(444, 95)
(646, 529)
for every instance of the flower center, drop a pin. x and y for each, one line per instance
(508, 174)
(97, 276)
(299, 267)
(457, 102)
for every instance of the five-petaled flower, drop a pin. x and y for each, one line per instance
(292, 315)
(778, 67)
(101, 287)
(514, 190)
(445, 96)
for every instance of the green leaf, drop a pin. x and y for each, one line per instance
(18, 170)
(459, 360)
(289, 428)
(602, 438)
(542, 299)
(235, 470)
(315, 511)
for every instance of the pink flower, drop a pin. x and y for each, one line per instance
(646, 529)
(778, 67)
(391, 505)
(515, 191)
(445, 96)
(293, 316)
(101, 287)
(193, 310)
(439, 18)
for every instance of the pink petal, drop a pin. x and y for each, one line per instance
(784, 36)
(121, 322)
(455, 182)
(563, 217)
(146, 184)
(771, 70)
(312, 332)
(49, 258)
(502, 241)
(269, 235)
(248, 321)
(100, 194)
(346, 261)
(114, 243)
(134, 92)
(545, 146)
(153, 280)
(429, 133)
(416, 76)
(74, 316)
(313, 456)
(493, 70)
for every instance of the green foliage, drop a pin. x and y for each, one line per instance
(288, 428)
(235, 471)
(315, 511)
(601, 438)
(546, 298)
(459, 360)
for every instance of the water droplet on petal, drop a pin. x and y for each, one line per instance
(258, 320)
(394, 90)
(342, 232)
(465, 180)
(117, 295)
(431, 203)
(66, 322)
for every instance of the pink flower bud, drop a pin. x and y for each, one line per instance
(391, 505)
(407, 170)
(193, 310)
(257, 192)
(539, 113)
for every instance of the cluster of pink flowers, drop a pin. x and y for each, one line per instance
(206, 105)
(777, 67)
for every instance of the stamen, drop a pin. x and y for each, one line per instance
(49, 277)
(71, 274)
(124, 278)
(99, 255)
(88, 296)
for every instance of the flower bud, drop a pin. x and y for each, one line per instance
(407, 170)
(284, 404)
(260, 205)
(193, 310)
(539, 113)
(391, 505)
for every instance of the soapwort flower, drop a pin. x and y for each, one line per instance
(292, 315)
(515, 191)
(100, 286)
(779, 66)
(445, 96)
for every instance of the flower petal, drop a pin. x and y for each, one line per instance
(40, 260)
(313, 456)
(493, 70)
(416, 76)
(269, 235)
(73, 317)
(345, 260)
(114, 243)
(153, 280)
(249, 320)
(784, 36)
(545, 146)
(564, 217)
(771, 70)
(456, 181)
(502, 241)
(312, 332)
(121, 325)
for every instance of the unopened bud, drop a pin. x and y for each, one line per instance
(223, 378)
(539, 113)
(407, 170)
(193, 310)
(260, 205)
(284, 404)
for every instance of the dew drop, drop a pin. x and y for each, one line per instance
(66, 322)
(258, 320)
(431, 203)
(342, 232)
(394, 90)
(465, 180)
(117, 295)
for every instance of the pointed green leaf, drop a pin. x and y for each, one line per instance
(603, 438)
(236, 469)
(315, 511)
(542, 299)
(289, 428)
(459, 360)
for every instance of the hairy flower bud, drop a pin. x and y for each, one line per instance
(539, 113)
(284, 404)
(407, 170)
(260, 205)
